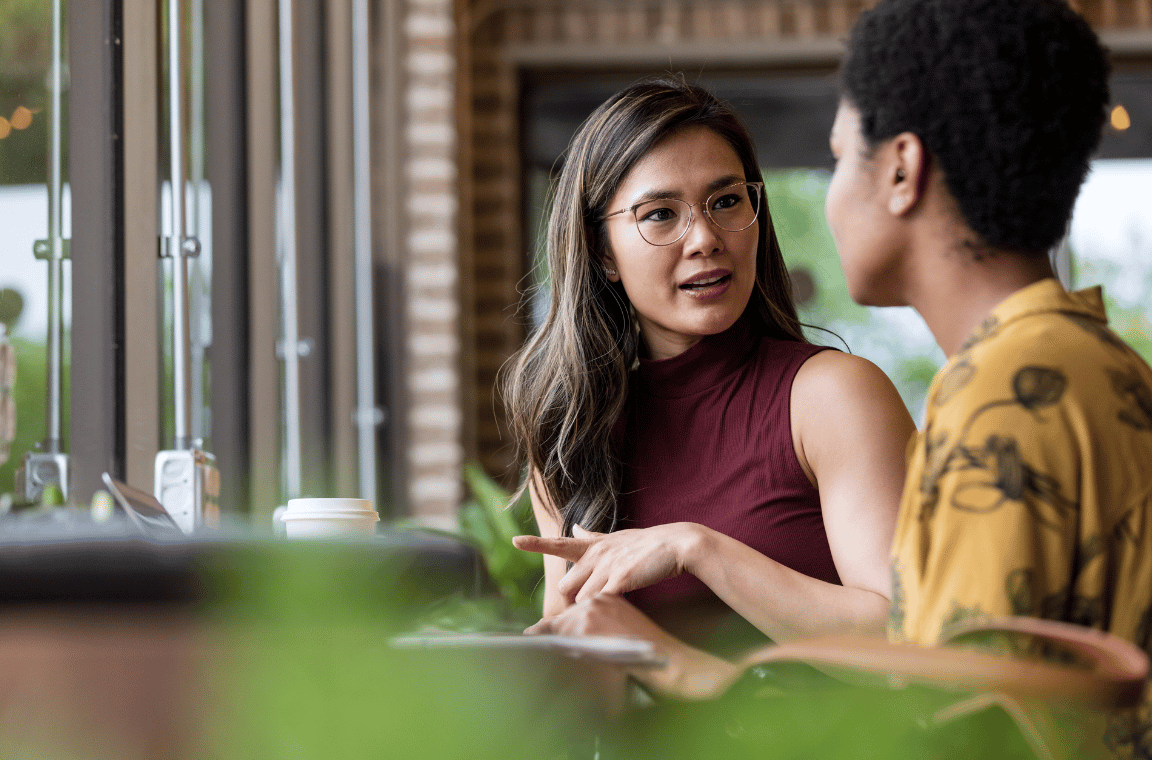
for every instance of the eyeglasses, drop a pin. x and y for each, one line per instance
(663, 221)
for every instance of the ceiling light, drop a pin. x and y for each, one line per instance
(1120, 119)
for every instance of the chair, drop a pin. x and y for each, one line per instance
(1111, 678)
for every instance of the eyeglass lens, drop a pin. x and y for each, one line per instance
(665, 220)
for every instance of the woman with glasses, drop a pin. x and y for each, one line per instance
(714, 478)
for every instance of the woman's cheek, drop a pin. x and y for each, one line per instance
(832, 205)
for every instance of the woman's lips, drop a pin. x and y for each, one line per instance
(709, 285)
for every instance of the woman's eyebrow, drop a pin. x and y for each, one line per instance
(654, 195)
(714, 185)
(725, 181)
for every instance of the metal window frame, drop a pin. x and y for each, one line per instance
(113, 106)
(226, 83)
(388, 233)
(262, 410)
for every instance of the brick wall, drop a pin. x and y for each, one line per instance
(431, 259)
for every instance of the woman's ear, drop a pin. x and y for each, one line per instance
(908, 168)
(611, 271)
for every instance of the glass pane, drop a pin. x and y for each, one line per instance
(27, 117)
(1111, 242)
(197, 213)
(1110, 239)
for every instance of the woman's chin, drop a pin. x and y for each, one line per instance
(718, 321)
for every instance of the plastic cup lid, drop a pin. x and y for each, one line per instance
(329, 505)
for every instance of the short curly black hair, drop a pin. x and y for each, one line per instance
(1009, 96)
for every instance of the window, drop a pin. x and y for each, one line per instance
(34, 271)
(223, 147)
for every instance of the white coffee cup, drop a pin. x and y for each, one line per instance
(329, 518)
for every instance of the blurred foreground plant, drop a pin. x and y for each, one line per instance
(306, 668)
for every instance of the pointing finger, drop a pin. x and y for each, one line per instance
(571, 549)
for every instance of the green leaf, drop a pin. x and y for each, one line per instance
(489, 522)
(494, 499)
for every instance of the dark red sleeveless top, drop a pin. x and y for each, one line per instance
(707, 438)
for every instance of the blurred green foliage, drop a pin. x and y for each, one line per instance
(796, 204)
(308, 672)
(25, 59)
(31, 397)
(1129, 318)
(300, 665)
(25, 41)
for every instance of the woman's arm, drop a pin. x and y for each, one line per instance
(689, 674)
(548, 521)
(850, 430)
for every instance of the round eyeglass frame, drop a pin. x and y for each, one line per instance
(692, 211)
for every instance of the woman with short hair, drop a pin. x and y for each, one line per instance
(964, 133)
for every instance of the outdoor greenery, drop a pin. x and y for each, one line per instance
(25, 57)
(1128, 317)
(307, 669)
(31, 397)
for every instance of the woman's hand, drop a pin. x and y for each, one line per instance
(604, 615)
(615, 563)
(689, 674)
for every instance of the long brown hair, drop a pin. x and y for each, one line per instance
(567, 385)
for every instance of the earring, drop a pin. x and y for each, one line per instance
(900, 175)
(609, 271)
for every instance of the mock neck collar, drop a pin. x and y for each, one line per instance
(701, 367)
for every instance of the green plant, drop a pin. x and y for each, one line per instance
(488, 521)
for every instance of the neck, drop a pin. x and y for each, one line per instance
(958, 290)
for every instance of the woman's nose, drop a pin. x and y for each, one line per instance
(702, 238)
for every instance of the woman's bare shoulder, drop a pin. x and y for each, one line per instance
(833, 389)
(836, 371)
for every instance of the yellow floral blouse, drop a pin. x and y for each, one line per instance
(1029, 490)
